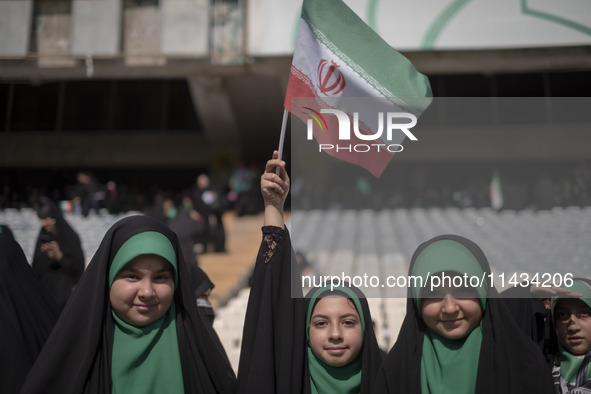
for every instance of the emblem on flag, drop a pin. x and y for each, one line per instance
(330, 80)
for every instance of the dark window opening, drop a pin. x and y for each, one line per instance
(34, 107)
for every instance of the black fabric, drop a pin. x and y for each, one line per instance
(28, 315)
(59, 277)
(273, 357)
(77, 355)
(188, 232)
(509, 361)
(156, 209)
(533, 319)
(199, 279)
(201, 283)
(6, 231)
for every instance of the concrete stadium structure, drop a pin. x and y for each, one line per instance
(188, 83)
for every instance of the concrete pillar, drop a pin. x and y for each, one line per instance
(214, 108)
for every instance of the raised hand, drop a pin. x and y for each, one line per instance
(274, 188)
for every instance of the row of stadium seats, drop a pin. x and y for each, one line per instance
(553, 240)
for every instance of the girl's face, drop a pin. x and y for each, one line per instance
(48, 224)
(451, 312)
(572, 319)
(336, 335)
(143, 290)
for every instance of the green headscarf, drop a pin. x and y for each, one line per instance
(146, 359)
(323, 377)
(447, 365)
(569, 363)
(578, 286)
(443, 256)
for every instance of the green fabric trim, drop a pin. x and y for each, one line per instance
(580, 287)
(149, 242)
(570, 365)
(450, 366)
(388, 71)
(447, 256)
(146, 360)
(323, 377)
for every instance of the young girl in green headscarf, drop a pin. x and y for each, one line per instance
(458, 337)
(132, 324)
(336, 323)
(572, 320)
(323, 343)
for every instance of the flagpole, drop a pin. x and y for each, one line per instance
(282, 137)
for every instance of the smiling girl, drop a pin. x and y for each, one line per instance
(132, 324)
(335, 330)
(457, 338)
(342, 351)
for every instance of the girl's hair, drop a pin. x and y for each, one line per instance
(338, 294)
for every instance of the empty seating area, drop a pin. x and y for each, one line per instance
(553, 240)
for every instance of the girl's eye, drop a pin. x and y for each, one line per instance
(464, 292)
(349, 323)
(320, 324)
(585, 313)
(433, 294)
(562, 315)
(163, 277)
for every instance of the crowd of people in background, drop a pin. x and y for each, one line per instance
(96, 191)
(524, 187)
(194, 211)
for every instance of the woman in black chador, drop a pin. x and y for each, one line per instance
(58, 260)
(132, 325)
(323, 343)
(28, 315)
(6, 231)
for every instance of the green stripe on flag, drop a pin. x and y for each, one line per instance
(389, 72)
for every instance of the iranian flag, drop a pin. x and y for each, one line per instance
(339, 57)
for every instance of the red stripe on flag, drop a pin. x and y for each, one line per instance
(299, 85)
